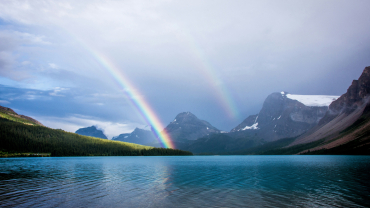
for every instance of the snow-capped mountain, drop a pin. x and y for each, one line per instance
(285, 115)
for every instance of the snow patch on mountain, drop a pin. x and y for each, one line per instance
(313, 100)
(254, 126)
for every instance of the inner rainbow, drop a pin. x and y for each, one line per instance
(138, 101)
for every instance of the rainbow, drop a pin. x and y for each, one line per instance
(133, 94)
(221, 91)
(208, 72)
(139, 102)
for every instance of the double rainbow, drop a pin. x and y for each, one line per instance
(143, 106)
(134, 96)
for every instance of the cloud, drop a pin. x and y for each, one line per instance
(12, 39)
(57, 91)
(62, 102)
(74, 122)
(10, 44)
(27, 38)
(4, 102)
(53, 66)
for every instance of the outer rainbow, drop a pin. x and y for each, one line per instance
(220, 89)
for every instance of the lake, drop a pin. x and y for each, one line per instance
(186, 181)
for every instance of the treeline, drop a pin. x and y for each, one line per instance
(142, 152)
(17, 138)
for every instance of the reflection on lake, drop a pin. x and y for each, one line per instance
(186, 181)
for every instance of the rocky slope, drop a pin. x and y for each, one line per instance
(91, 131)
(347, 119)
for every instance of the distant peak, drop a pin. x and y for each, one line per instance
(185, 114)
(89, 127)
(141, 129)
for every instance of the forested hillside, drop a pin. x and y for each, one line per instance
(19, 137)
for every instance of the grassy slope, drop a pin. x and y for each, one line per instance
(16, 118)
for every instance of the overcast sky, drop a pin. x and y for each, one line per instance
(216, 59)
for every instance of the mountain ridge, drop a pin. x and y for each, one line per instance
(139, 136)
(91, 131)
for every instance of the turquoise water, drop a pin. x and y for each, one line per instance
(186, 181)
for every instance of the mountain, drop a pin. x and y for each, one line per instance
(346, 123)
(139, 136)
(282, 116)
(183, 130)
(285, 115)
(9, 113)
(186, 126)
(91, 131)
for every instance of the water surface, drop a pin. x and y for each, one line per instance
(186, 181)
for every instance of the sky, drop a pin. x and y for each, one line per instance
(117, 64)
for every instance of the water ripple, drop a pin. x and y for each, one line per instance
(227, 181)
